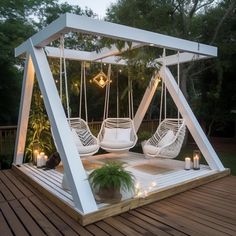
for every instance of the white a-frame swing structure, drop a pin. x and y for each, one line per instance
(36, 51)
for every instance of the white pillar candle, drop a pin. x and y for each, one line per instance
(196, 165)
(39, 160)
(187, 163)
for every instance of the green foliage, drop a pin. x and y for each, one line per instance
(39, 127)
(112, 175)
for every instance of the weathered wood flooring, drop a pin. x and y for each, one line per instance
(206, 210)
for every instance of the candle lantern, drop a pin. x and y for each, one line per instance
(41, 159)
(196, 159)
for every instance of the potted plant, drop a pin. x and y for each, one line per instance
(108, 181)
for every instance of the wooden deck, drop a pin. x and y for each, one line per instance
(168, 177)
(206, 210)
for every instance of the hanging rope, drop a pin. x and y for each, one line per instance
(164, 64)
(63, 70)
(81, 89)
(178, 81)
(107, 94)
(130, 96)
(117, 97)
(61, 52)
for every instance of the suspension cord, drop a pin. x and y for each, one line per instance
(60, 79)
(81, 89)
(164, 64)
(161, 105)
(178, 81)
(130, 96)
(117, 97)
(63, 71)
(107, 94)
(85, 93)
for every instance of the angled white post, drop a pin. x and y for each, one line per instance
(191, 121)
(25, 102)
(80, 187)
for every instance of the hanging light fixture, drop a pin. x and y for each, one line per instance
(101, 79)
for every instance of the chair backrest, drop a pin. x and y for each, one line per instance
(83, 131)
(176, 125)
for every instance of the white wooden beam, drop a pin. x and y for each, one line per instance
(70, 22)
(146, 100)
(191, 121)
(72, 54)
(182, 58)
(77, 178)
(25, 102)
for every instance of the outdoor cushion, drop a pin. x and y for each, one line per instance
(76, 137)
(124, 134)
(110, 134)
(168, 138)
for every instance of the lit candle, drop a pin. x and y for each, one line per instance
(196, 165)
(35, 155)
(187, 163)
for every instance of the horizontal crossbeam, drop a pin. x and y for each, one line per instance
(70, 22)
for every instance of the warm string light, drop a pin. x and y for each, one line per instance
(143, 193)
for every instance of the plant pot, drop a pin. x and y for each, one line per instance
(108, 195)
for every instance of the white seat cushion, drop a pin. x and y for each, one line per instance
(87, 149)
(150, 149)
(116, 145)
(76, 137)
(124, 135)
(168, 138)
(110, 134)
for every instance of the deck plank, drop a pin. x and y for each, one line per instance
(4, 228)
(205, 210)
(16, 226)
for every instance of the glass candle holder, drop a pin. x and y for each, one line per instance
(196, 159)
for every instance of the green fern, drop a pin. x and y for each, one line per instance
(112, 175)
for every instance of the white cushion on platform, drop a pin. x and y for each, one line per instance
(168, 138)
(76, 137)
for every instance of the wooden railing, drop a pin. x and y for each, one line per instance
(7, 140)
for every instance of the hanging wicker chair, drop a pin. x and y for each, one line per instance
(117, 135)
(86, 142)
(167, 140)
